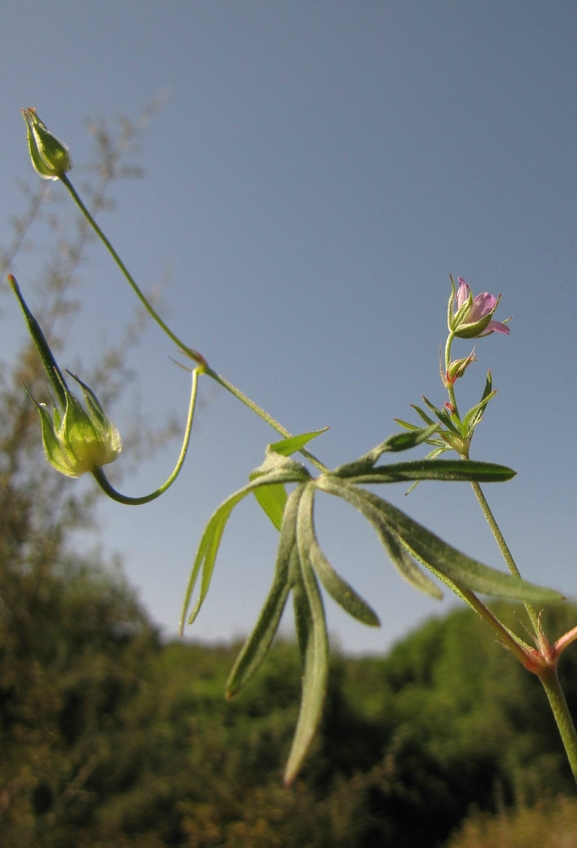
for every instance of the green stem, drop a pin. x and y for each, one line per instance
(560, 710)
(109, 490)
(504, 548)
(450, 389)
(222, 381)
(197, 357)
(193, 354)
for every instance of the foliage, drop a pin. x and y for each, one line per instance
(112, 739)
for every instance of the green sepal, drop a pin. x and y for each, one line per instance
(257, 645)
(50, 365)
(341, 591)
(53, 447)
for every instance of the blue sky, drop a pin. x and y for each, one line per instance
(316, 172)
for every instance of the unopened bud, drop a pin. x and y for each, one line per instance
(49, 155)
(458, 367)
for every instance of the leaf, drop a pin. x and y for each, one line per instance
(395, 443)
(257, 645)
(211, 538)
(436, 469)
(475, 414)
(341, 591)
(434, 552)
(457, 566)
(423, 415)
(315, 650)
(408, 569)
(405, 441)
(407, 425)
(405, 564)
(443, 417)
(290, 445)
(273, 500)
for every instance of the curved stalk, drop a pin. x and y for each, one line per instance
(109, 490)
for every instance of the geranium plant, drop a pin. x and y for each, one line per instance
(81, 439)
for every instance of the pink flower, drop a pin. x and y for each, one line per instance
(473, 315)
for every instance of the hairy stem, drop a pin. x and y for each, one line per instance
(504, 548)
(188, 351)
(262, 414)
(193, 354)
(560, 710)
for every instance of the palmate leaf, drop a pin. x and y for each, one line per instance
(257, 645)
(211, 538)
(434, 552)
(341, 591)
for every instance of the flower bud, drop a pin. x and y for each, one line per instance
(457, 368)
(49, 156)
(473, 316)
(82, 439)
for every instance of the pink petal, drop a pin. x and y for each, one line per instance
(483, 305)
(495, 327)
(462, 292)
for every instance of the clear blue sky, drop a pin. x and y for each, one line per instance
(316, 173)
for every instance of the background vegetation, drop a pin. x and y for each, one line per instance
(110, 737)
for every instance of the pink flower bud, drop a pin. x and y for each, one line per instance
(472, 316)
